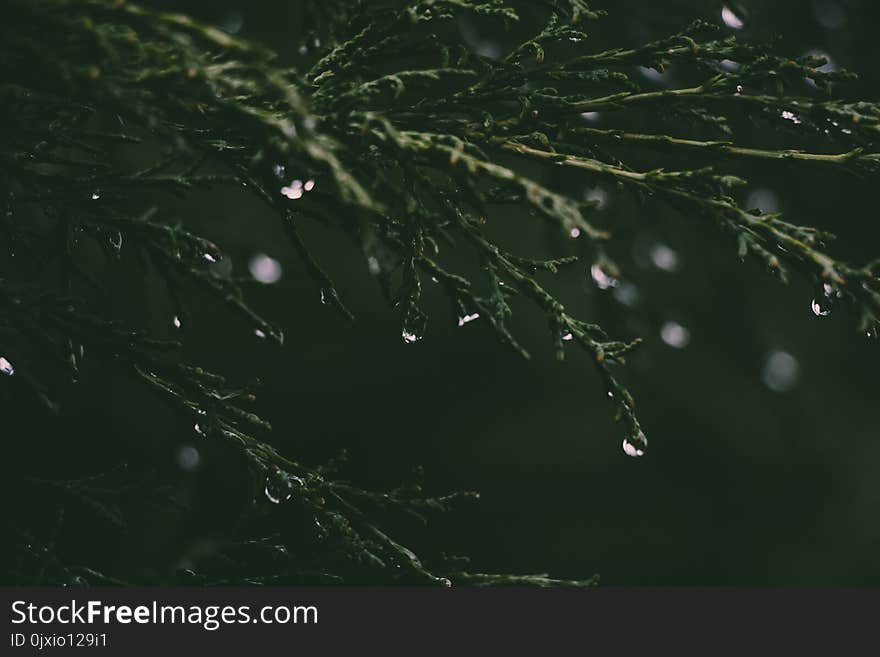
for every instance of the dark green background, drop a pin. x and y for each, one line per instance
(741, 485)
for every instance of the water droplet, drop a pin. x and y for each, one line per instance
(567, 337)
(675, 335)
(575, 233)
(199, 429)
(596, 195)
(309, 185)
(468, 318)
(6, 367)
(444, 581)
(188, 458)
(739, 89)
(260, 333)
(601, 278)
(664, 257)
(231, 22)
(820, 310)
(265, 269)
(635, 446)
(210, 257)
(873, 333)
(96, 194)
(791, 116)
(278, 170)
(730, 19)
(627, 294)
(177, 323)
(280, 486)
(294, 191)
(409, 337)
(325, 296)
(781, 371)
(116, 241)
(652, 74)
(823, 302)
(764, 200)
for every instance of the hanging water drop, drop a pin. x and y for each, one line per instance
(260, 334)
(177, 323)
(636, 445)
(96, 194)
(410, 337)
(819, 310)
(6, 367)
(822, 303)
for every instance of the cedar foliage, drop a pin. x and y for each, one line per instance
(407, 140)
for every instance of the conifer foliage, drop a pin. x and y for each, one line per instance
(407, 139)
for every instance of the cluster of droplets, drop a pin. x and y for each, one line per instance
(297, 188)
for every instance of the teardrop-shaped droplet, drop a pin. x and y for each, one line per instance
(636, 445)
(176, 321)
(6, 367)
